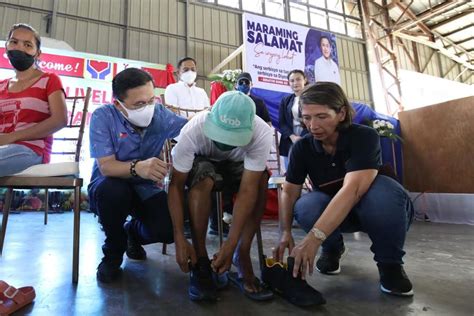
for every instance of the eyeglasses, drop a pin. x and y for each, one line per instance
(140, 106)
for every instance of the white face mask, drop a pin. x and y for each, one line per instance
(141, 117)
(188, 77)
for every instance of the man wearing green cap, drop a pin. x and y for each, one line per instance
(232, 142)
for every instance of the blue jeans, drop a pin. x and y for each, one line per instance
(385, 213)
(15, 158)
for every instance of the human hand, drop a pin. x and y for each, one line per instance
(184, 253)
(153, 169)
(304, 254)
(223, 258)
(286, 241)
(294, 138)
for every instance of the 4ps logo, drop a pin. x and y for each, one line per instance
(99, 69)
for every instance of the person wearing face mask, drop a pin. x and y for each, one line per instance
(244, 85)
(289, 115)
(184, 93)
(126, 139)
(230, 141)
(325, 69)
(32, 104)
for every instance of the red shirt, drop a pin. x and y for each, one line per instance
(22, 110)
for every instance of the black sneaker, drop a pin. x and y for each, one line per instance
(394, 280)
(279, 278)
(134, 250)
(201, 285)
(109, 270)
(329, 263)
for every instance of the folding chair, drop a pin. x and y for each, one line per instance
(61, 175)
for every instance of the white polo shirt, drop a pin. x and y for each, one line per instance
(181, 95)
(326, 70)
(193, 142)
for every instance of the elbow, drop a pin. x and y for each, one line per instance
(63, 122)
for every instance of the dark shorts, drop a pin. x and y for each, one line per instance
(226, 174)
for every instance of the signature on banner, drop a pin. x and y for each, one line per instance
(259, 50)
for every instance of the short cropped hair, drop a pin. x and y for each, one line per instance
(128, 79)
(182, 60)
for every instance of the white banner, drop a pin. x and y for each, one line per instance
(273, 48)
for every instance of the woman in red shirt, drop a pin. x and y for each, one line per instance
(32, 105)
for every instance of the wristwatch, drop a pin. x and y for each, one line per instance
(319, 234)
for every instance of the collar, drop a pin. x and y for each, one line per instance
(186, 85)
(341, 144)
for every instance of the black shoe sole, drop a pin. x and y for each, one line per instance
(110, 278)
(402, 294)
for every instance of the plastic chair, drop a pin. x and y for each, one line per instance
(61, 175)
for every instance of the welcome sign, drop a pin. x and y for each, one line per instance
(272, 48)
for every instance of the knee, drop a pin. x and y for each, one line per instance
(113, 188)
(386, 199)
(309, 207)
(204, 186)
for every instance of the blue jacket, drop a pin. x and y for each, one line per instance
(285, 119)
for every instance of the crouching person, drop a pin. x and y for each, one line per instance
(126, 139)
(336, 151)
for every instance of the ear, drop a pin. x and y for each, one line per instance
(119, 107)
(38, 54)
(342, 114)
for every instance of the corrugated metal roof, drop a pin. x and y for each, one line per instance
(445, 25)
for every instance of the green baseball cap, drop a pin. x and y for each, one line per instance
(231, 119)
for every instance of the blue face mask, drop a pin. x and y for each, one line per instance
(223, 147)
(245, 89)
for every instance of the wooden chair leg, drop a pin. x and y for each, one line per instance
(77, 217)
(163, 250)
(220, 214)
(46, 205)
(260, 247)
(6, 212)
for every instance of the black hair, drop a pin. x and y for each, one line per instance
(331, 95)
(324, 37)
(128, 79)
(182, 60)
(26, 27)
(296, 71)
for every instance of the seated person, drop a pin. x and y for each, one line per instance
(32, 105)
(338, 151)
(126, 139)
(232, 142)
(244, 85)
(185, 93)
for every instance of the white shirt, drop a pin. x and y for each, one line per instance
(181, 95)
(326, 70)
(192, 142)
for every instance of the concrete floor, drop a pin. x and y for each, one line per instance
(439, 262)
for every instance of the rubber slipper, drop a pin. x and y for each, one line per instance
(12, 299)
(262, 295)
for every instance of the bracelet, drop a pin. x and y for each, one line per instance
(133, 164)
(318, 234)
